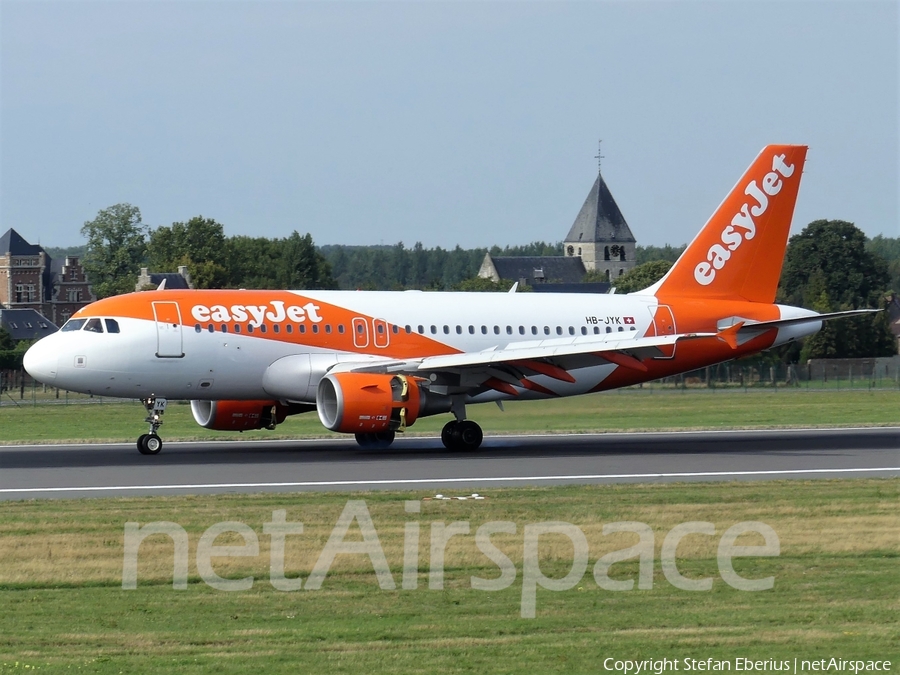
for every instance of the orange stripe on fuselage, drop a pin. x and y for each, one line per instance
(281, 308)
(698, 316)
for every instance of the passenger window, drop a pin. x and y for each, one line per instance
(471, 330)
(584, 330)
(621, 330)
(521, 330)
(341, 329)
(237, 328)
(433, 330)
(262, 328)
(224, 328)
(249, 327)
(459, 330)
(328, 328)
(609, 329)
(395, 329)
(379, 328)
(421, 330)
(290, 328)
(112, 326)
(484, 330)
(94, 326)
(571, 330)
(408, 329)
(276, 328)
(446, 329)
(559, 330)
(210, 328)
(315, 328)
(496, 330)
(632, 328)
(546, 330)
(360, 328)
(197, 328)
(534, 330)
(73, 324)
(509, 330)
(596, 330)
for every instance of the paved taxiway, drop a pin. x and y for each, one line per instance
(72, 471)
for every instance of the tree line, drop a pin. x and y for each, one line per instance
(829, 266)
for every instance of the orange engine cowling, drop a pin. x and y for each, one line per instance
(367, 403)
(238, 415)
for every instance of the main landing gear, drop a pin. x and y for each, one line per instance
(461, 435)
(151, 444)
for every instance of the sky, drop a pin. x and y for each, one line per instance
(469, 123)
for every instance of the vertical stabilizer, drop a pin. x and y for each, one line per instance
(739, 252)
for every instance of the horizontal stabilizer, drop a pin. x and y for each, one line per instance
(736, 331)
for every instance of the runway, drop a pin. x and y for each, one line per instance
(417, 464)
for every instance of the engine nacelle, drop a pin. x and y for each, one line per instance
(238, 415)
(367, 403)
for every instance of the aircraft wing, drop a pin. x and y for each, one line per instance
(512, 363)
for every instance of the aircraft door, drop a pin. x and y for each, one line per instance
(664, 324)
(168, 330)
(382, 336)
(360, 332)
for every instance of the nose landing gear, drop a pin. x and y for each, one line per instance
(151, 444)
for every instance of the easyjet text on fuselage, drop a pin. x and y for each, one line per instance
(257, 314)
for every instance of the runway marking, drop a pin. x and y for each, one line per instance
(413, 481)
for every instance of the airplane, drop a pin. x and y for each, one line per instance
(372, 363)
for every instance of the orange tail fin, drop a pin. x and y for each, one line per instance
(739, 252)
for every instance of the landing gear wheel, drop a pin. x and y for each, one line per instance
(465, 435)
(470, 435)
(376, 441)
(449, 436)
(149, 444)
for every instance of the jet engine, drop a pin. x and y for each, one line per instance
(364, 403)
(238, 415)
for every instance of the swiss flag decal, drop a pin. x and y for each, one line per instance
(628, 319)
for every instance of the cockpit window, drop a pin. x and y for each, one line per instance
(112, 326)
(73, 324)
(94, 326)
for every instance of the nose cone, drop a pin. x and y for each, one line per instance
(41, 361)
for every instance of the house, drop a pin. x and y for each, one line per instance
(31, 279)
(599, 240)
(26, 324)
(174, 280)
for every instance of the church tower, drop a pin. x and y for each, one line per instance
(600, 236)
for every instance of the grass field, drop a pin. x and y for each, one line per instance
(62, 605)
(622, 410)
